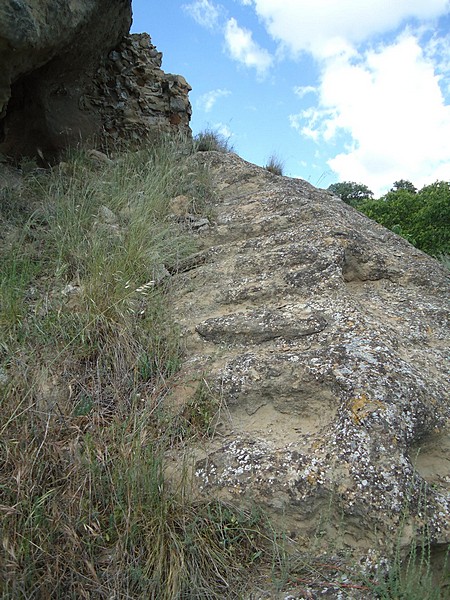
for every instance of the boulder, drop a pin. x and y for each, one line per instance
(70, 74)
(324, 337)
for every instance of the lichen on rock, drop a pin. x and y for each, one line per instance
(326, 336)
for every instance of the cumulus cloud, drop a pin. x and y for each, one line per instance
(242, 48)
(329, 27)
(207, 101)
(390, 105)
(204, 12)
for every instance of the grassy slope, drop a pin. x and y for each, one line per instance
(88, 353)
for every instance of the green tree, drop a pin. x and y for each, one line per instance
(423, 217)
(403, 184)
(350, 192)
(432, 227)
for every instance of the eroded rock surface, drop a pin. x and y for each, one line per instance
(326, 337)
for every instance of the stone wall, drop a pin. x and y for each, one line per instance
(135, 98)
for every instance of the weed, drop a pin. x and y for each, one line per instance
(413, 578)
(199, 415)
(275, 165)
(444, 259)
(210, 140)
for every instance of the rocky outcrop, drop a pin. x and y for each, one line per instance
(70, 74)
(325, 338)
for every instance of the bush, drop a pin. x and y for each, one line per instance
(423, 218)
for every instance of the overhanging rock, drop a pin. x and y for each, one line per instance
(70, 76)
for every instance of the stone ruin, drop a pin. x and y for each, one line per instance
(135, 98)
(71, 75)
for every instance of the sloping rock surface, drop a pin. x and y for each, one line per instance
(325, 337)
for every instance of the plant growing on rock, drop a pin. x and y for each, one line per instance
(275, 165)
(211, 140)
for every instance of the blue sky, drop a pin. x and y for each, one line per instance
(338, 90)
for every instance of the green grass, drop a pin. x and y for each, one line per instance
(414, 578)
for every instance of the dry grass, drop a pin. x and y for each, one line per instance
(88, 352)
(211, 140)
(275, 165)
(88, 355)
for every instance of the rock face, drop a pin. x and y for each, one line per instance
(68, 75)
(325, 337)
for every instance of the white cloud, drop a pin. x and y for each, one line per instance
(204, 12)
(328, 27)
(223, 129)
(303, 90)
(244, 49)
(207, 101)
(391, 106)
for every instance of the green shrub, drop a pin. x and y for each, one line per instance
(423, 217)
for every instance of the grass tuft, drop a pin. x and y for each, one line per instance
(275, 165)
(211, 140)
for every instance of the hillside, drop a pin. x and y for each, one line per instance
(115, 365)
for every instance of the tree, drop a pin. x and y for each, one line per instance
(422, 217)
(403, 184)
(350, 192)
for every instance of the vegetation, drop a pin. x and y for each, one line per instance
(350, 192)
(88, 353)
(88, 357)
(211, 140)
(412, 578)
(275, 165)
(422, 217)
(403, 184)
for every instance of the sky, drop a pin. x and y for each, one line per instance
(337, 90)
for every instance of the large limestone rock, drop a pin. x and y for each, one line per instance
(325, 337)
(70, 74)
